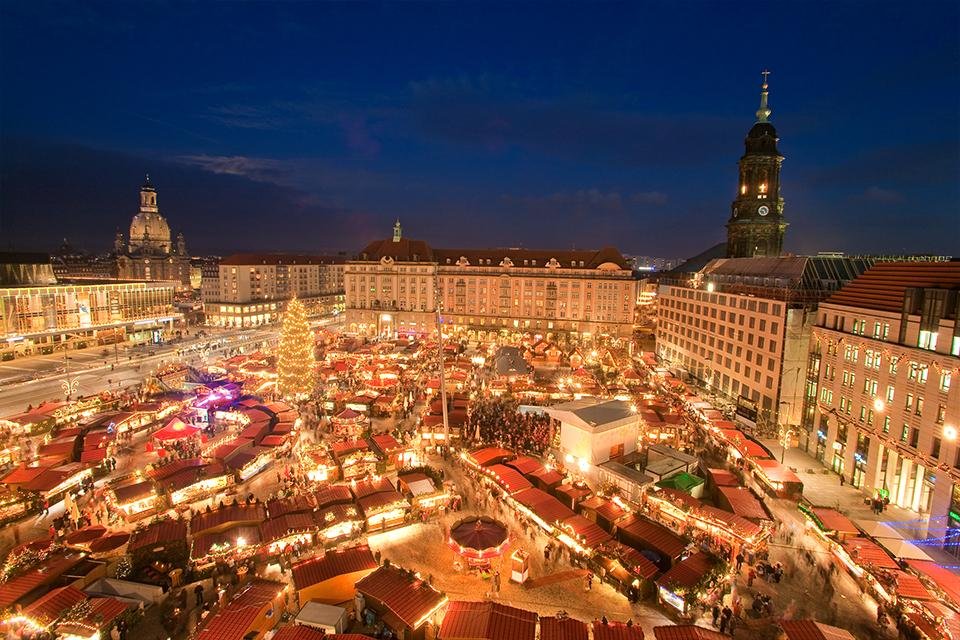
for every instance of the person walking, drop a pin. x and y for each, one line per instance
(739, 561)
(716, 613)
(198, 595)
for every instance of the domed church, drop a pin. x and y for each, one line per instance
(149, 253)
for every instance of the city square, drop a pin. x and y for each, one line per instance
(325, 423)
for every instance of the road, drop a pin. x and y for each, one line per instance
(33, 380)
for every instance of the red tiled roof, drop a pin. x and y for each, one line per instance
(616, 631)
(882, 286)
(688, 572)
(344, 447)
(653, 535)
(573, 492)
(687, 632)
(589, 532)
(103, 611)
(372, 503)
(336, 514)
(51, 478)
(158, 533)
(834, 520)
(386, 443)
(526, 465)
(489, 455)
(731, 521)
(165, 471)
(487, 621)
(204, 542)
(86, 534)
(16, 588)
(910, 587)
(109, 542)
(549, 478)
(508, 478)
(408, 598)
(744, 503)
(948, 581)
(333, 564)
(333, 494)
(865, 553)
(53, 604)
(23, 474)
(280, 527)
(93, 455)
(228, 514)
(297, 503)
(562, 629)
(548, 508)
(776, 472)
(273, 440)
(234, 620)
(813, 630)
(365, 488)
(303, 632)
(721, 478)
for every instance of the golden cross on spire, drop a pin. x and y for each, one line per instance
(765, 73)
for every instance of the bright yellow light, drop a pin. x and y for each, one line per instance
(241, 541)
(568, 457)
(583, 465)
(950, 432)
(878, 405)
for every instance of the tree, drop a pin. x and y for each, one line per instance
(295, 358)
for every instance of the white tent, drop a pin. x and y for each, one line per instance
(903, 550)
(323, 616)
(878, 529)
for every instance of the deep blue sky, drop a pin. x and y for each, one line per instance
(294, 126)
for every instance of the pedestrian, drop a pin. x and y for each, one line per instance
(724, 620)
(739, 561)
(751, 576)
(732, 625)
(716, 613)
(198, 594)
(843, 480)
(590, 581)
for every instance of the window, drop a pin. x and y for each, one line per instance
(909, 404)
(886, 424)
(935, 449)
(941, 413)
(893, 366)
(919, 410)
(928, 340)
(890, 390)
(945, 381)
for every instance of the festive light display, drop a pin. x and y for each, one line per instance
(295, 360)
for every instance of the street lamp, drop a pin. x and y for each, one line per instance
(878, 405)
(949, 432)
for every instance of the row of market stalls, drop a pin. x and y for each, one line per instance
(635, 553)
(895, 570)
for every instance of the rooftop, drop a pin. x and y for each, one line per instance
(275, 259)
(884, 285)
(593, 414)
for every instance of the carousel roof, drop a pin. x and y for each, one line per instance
(479, 533)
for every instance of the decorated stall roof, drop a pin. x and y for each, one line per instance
(508, 478)
(487, 456)
(54, 603)
(236, 617)
(526, 465)
(832, 520)
(589, 532)
(377, 502)
(370, 486)
(332, 564)
(737, 525)
(687, 573)
(604, 508)
(157, 533)
(573, 492)
(336, 514)
(228, 515)
(407, 597)
(418, 484)
(553, 628)
(164, 471)
(653, 535)
(777, 472)
(867, 553)
(296, 503)
(944, 579)
(100, 615)
(547, 478)
(487, 621)
(386, 443)
(332, 494)
(908, 586)
(235, 537)
(175, 429)
(48, 572)
(280, 527)
(547, 508)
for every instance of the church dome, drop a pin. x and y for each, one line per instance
(762, 139)
(149, 231)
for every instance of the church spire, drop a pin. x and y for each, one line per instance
(763, 113)
(397, 231)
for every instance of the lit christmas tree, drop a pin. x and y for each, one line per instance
(295, 355)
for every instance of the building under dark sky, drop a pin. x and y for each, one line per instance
(313, 126)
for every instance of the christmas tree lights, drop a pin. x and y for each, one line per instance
(295, 360)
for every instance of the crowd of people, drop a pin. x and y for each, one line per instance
(499, 421)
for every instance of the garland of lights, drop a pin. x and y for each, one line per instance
(295, 359)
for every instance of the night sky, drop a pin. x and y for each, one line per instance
(293, 126)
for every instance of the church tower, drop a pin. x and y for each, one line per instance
(756, 225)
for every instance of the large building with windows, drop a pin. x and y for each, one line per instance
(394, 286)
(885, 402)
(741, 328)
(252, 289)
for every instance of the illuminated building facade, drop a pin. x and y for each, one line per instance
(741, 327)
(884, 397)
(252, 289)
(394, 285)
(41, 319)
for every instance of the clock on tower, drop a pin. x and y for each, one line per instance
(756, 225)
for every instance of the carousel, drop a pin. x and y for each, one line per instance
(478, 540)
(348, 423)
